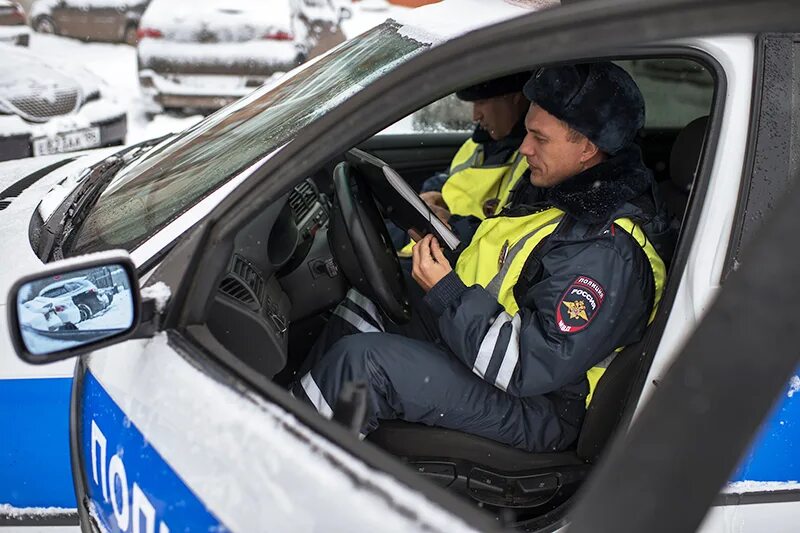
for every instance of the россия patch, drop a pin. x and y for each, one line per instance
(579, 304)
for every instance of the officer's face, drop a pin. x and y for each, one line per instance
(498, 115)
(552, 156)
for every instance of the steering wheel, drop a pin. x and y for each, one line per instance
(361, 245)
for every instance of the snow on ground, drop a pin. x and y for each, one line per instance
(116, 64)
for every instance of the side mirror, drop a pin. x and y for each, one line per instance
(74, 306)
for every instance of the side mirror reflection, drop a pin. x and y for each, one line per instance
(61, 311)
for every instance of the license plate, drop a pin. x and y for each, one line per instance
(67, 142)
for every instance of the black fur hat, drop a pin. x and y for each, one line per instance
(600, 100)
(512, 83)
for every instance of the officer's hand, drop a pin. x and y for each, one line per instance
(433, 198)
(429, 263)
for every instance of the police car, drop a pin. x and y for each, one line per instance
(179, 418)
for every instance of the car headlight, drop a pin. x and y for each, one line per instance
(92, 96)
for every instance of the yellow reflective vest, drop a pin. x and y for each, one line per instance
(478, 190)
(500, 249)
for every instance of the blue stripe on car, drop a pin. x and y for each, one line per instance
(775, 454)
(133, 488)
(34, 448)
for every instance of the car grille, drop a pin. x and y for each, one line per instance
(43, 103)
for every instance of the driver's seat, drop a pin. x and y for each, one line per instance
(498, 475)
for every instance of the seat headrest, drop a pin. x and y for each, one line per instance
(685, 155)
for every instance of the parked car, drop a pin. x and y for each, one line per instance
(46, 316)
(90, 20)
(225, 226)
(77, 292)
(13, 26)
(206, 55)
(48, 108)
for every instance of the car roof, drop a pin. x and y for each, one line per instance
(444, 20)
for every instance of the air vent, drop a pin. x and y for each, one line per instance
(236, 289)
(5, 202)
(243, 283)
(301, 200)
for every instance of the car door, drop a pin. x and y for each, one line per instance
(107, 21)
(72, 19)
(738, 105)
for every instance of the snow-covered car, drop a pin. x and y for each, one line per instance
(13, 26)
(53, 299)
(206, 55)
(76, 294)
(89, 20)
(48, 108)
(45, 316)
(317, 24)
(184, 422)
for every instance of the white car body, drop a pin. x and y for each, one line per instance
(64, 307)
(151, 382)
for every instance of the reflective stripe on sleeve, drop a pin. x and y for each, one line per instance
(511, 357)
(488, 343)
(315, 395)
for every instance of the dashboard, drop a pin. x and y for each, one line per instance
(280, 270)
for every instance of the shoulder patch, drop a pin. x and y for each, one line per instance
(580, 303)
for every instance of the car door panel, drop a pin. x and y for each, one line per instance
(72, 19)
(107, 23)
(161, 438)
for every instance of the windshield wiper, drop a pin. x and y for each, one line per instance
(73, 211)
(70, 215)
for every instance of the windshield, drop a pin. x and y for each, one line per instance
(155, 190)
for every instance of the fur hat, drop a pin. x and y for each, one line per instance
(512, 83)
(600, 100)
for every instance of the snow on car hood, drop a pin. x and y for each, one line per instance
(445, 20)
(25, 74)
(14, 223)
(217, 20)
(16, 218)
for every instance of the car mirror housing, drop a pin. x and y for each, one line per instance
(74, 306)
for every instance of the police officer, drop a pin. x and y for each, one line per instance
(488, 165)
(509, 342)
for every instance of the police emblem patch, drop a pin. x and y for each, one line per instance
(579, 304)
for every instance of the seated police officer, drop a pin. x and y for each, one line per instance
(488, 164)
(510, 343)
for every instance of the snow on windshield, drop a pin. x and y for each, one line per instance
(149, 194)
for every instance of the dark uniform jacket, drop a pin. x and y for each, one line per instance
(585, 244)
